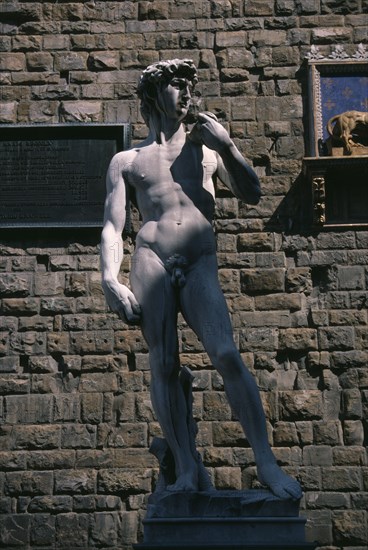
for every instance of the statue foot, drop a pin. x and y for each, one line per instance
(185, 482)
(281, 484)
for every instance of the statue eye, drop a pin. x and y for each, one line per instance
(177, 83)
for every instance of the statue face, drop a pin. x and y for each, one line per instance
(174, 98)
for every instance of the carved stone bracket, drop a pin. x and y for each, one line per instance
(319, 200)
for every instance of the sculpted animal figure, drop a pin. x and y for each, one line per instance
(346, 125)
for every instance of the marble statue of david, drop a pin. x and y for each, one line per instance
(174, 267)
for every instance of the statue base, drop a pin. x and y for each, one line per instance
(222, 520)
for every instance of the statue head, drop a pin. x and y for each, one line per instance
(159, 74)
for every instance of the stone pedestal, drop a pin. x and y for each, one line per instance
(222, 520)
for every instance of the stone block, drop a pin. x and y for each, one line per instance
(70, 61)
(298, 339)
(105, 528)
(72, 530)
(285, 433)
(233, 39)
(117, 481)
(35, 437)
(19, 384)
(327, 433)
(37, 323)
(12, 61)
(14, 530)
(348, 317)
(28, 409)
(255, 281)
(43, 529)
(91, 342)
(8, 323)
(257, 8)
(63, 262)
(125, 435)
(318, 527)
(57, 305)
(81, 111)
(124, 407)
(228, 478)
(228, 434)
(28, 343)
(8, 112)
(300, 404)
(104, 61)
(84, 503)
(21, 306)
(360, 501)
(4, 343)
(319, 500)
(258, 339)
(243, 109)
(55, 42)
(353, 432)
(49, 284)
(67, 408)
(338, 300)
(216, 406)
(340, 478)
(261, 319)
(39, 61)
(158, 10)
(74, 322)
(351, 278)
(28, 483)
(129, 526)
(349, 456)
(298, 279)
(336, 338)
(350, 527)
(270, 259)
(352, 404)
(58, 342)
(331, 35)
(310, 478)
(9, 365)
(75, 481)
(12, 284)
(76, 284)
(255, 242)
(337, 6)
(91, 408)
(305, 432)
(51, 504)
(292, 302)
(78, 436)
(98, 382)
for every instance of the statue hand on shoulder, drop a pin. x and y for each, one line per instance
(210, 132)
(122, 301)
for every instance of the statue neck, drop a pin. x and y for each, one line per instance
(164, 130)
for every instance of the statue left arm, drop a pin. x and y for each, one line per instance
(232, 168)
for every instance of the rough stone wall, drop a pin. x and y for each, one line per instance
(75, 413)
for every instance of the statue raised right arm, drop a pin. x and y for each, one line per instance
(119, 297)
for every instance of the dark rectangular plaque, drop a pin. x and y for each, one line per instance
(54, 175)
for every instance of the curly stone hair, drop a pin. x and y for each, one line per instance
(159, 74)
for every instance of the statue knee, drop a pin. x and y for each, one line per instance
(228, 362)
(163, 369)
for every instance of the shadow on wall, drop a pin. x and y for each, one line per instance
(294, 215)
